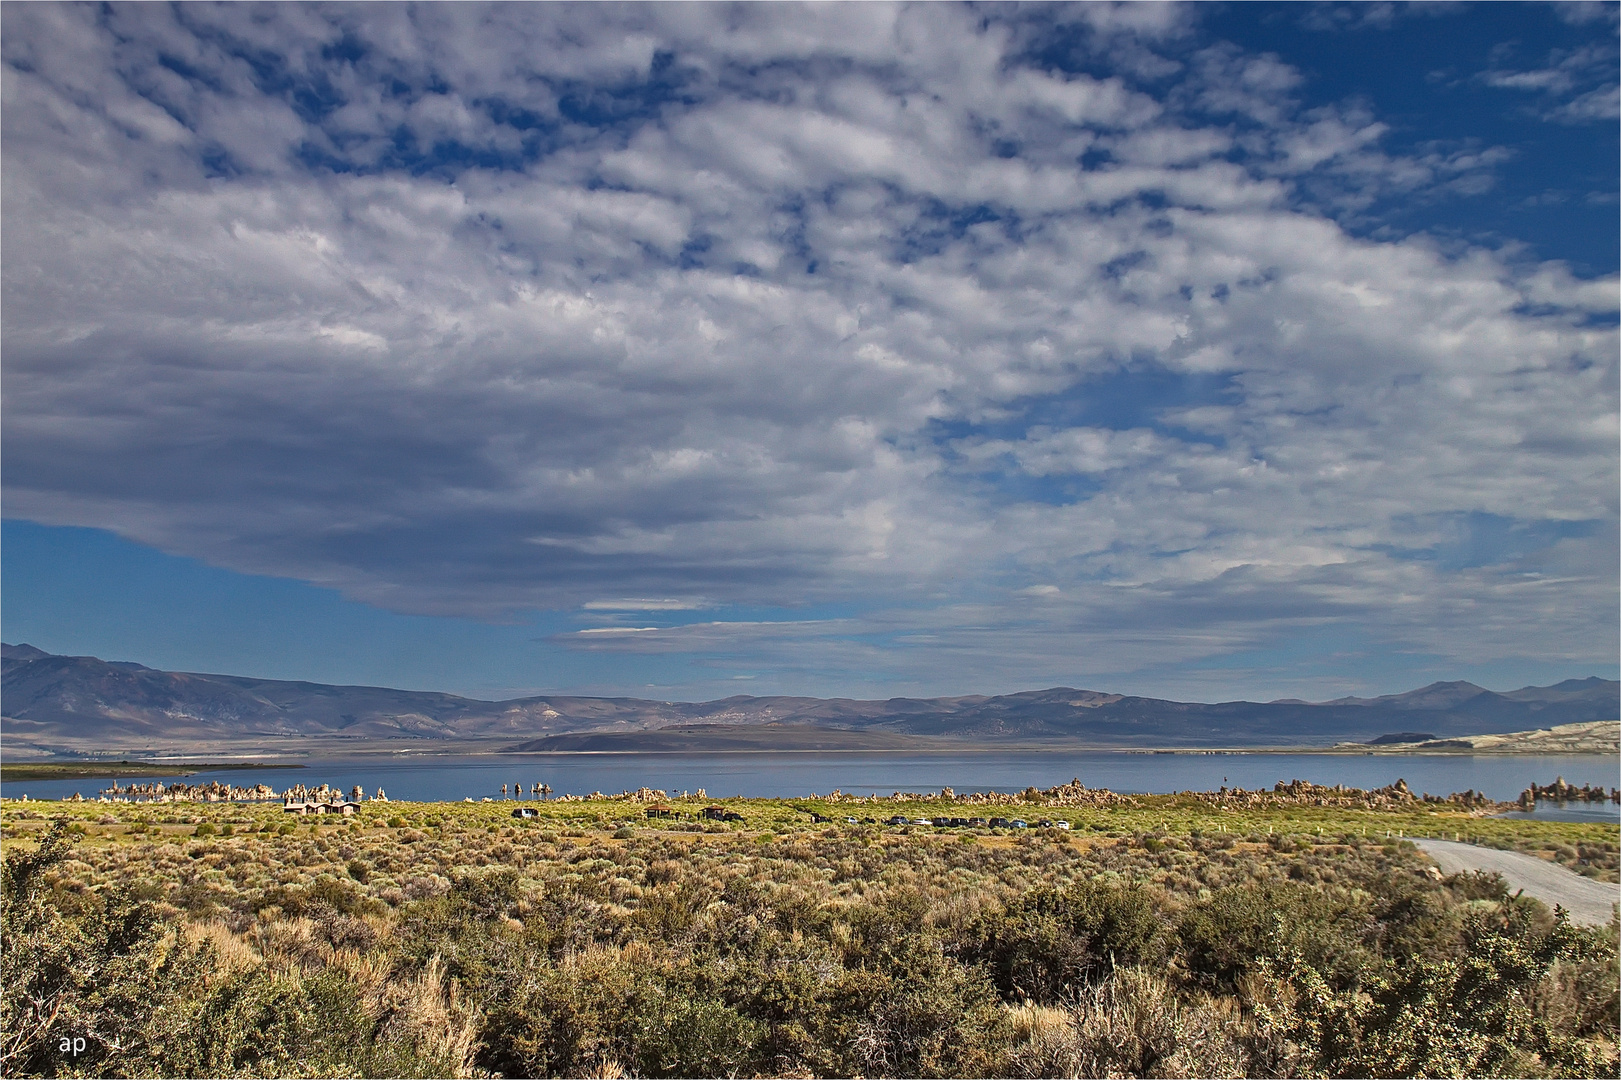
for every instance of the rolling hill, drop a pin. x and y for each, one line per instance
(54, 705)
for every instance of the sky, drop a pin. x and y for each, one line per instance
(681, 351)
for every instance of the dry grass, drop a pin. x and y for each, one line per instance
(800, 946)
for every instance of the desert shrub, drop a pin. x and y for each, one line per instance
(1475, 1014)
(1224, 937)
(1050, 941)
(920, 1013)
(560, 1020)
(1478, 886)
(486, 894)
(668, 913)
(100, 976)
(691, 1035)
(264, 1023)
(606, 1007)
(1133, 1023)
(825, 952)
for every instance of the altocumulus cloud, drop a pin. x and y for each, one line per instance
(1050, 339)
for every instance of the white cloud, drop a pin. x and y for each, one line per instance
(643, 605)
(1578, 86)
(767, 306)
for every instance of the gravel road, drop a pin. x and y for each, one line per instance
(1589, 902)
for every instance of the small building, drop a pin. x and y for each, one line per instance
(300, 806)
(660, 811)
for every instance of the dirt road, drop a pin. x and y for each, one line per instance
(1589, 902)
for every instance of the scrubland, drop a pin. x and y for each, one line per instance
(1164, 938)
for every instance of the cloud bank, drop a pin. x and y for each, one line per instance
(1034, 340)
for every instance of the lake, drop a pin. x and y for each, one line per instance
(423, 778)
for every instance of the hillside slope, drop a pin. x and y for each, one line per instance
(66, 704)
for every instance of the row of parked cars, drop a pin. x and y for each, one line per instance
(949, 822)
(977, 823)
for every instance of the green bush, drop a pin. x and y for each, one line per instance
(101, 976)
(1047, 943)
(1482, 1012)
(823, 952)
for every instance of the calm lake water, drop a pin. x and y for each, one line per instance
(795, 775)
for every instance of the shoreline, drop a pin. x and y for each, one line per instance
(70, 769)
(153, 765)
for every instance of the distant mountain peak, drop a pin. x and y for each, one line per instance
(82, 702)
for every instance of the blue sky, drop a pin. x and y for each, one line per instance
(1205, 351)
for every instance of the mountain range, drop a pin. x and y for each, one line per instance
(70, 705)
